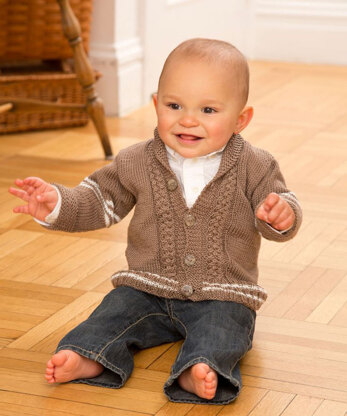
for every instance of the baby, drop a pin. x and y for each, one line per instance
(203, 198)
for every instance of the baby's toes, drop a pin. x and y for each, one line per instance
(210, 393)
(49, 378)
(210, 377)
(211, 384)
(210, 387)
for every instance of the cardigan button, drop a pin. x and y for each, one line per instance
(187, 290)
(172, 184)
(189, 260)
(189, 219)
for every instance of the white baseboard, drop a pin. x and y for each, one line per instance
(121, 66)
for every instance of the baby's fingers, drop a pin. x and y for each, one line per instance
(262, 214)
(27, 186)
(19, 182)
(21, 209)
(19, 193)
(33, 181)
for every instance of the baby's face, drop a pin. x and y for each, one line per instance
(197, 107)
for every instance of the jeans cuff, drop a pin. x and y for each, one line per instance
(227, 390)
(112, 376)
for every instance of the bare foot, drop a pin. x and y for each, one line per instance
(199, 379)
(67, 365)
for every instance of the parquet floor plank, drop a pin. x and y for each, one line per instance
(31, 256)
(49, 343)
(42, 330)
(340, 319)
(103, 252)
(300, 346)
(177, 409)
(143, 401)
(293, 291)
(249, 399)
(315, 295)
(13, 240)
(24, 404)
(295, 388)
(303, 406)
(331, 304)
(75, 268)
(203, 409)
(146, 358)
(331, 408)
(272, 403)
(313, 331)
(94, 280)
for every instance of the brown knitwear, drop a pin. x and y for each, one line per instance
(208, 251)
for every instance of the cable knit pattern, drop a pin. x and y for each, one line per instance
(216, 225)
(164, 216)
(208, 251)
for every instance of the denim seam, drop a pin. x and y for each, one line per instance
(185, 328)
(100, 359)
(249, 332)
(126, 329)
(169, 310)
(248, 346)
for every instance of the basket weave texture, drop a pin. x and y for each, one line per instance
(54, 87)
(32, 29)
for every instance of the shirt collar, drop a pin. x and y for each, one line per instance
(178, 157)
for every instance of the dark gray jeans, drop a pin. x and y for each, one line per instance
(216, 333)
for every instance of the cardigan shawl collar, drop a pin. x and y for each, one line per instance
(230, 156)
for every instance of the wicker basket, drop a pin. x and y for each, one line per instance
(32, 29)
(50, 86)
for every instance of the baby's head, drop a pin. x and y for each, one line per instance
(202, 96)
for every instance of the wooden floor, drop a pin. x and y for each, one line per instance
(51, 281)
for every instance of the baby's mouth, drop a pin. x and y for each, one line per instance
(188, 137)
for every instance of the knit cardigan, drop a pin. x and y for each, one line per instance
(208, 251)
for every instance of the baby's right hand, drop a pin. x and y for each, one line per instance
(41, 197)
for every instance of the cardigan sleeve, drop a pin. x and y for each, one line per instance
(100, 200)
(270, 179)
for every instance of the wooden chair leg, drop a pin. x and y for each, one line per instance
(85, 74)
(96, 112)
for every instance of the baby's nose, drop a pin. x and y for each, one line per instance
(189, 121)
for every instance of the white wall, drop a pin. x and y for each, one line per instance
(130, 39)
(169, 22)
(312, 31)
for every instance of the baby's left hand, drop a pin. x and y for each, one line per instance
(277, 212)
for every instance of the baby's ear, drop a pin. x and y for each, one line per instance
(244, 119)
(155, 100)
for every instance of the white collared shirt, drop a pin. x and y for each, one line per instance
(195, 173)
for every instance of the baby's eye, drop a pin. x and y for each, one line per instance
(208, 110)
(174, 106)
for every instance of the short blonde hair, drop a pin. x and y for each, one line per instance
(212, 50)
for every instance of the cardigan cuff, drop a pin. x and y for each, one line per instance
(270, 233)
